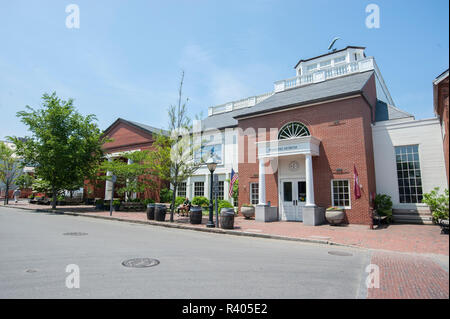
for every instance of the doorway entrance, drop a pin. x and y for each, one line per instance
(293, 199)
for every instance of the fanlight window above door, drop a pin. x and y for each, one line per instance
(292, 130)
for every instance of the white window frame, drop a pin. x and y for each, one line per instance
(185, 190)
(203, 193)
(349, 193)
(340, 58)
(250, 193)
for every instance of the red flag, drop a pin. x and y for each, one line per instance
(357, 189)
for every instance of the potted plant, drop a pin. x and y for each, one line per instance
(99, 204)
(248, 211)
(30, 198)
(334, 215)
(383, 205)
(116, 204)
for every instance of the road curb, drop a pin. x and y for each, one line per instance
(178, 226)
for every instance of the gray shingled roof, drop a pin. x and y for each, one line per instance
(386, 112)
(306, 94)
(334, 88)
(148, 128)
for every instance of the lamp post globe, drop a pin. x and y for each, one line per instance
(211, 163)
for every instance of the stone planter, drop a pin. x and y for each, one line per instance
(248, 211)
(335, 217)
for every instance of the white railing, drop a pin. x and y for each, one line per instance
(235, 105)
(326, 74)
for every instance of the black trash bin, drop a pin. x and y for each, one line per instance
(160, 212)
(151, 211)
(227, 218)
(195, 215)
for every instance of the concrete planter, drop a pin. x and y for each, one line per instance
(335, 217)
(248, 211)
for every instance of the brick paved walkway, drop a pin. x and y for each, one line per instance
(405, 276)
(394, 237)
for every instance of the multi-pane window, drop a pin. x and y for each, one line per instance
(408, 173)
(339, 60)
(340, 193)
(199, 189)
(220, 194)
(254, 193)
(182, 189)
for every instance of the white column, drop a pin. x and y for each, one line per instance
(188, 189)
(309, 181)
(262, 183)
(206, 187)
(226, 188)
(108, 184)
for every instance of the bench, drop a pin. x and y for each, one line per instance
(378, 218)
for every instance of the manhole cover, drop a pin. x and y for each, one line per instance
(339, 253)
(75, 234)
(140, 262)
(31, 270)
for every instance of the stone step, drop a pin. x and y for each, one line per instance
(425, 211)
(412, 219)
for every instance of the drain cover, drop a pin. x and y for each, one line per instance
(75, 234)
(339, 253)
(140, 262)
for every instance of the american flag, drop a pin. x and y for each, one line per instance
(234, 178)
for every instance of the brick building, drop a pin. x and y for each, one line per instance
(440, 94)
(296, 148)
(126, 136)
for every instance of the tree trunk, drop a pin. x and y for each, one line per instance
(173, 201)
(7, 193)
(54, 198)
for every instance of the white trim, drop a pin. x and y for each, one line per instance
(349, 193)
(300, 106)
(440, 78)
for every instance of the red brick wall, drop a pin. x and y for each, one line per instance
(443, 111)
(342, 145)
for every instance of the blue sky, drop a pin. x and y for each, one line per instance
(125, 59)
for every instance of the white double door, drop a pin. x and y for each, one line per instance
(293, 199)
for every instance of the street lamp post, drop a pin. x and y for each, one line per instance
(212, 167)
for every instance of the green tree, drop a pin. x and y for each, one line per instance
(24, 181)
(173, 155)
(64, 146)
(135, 177)
(10, 168)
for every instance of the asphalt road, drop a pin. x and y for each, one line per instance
(34, 255)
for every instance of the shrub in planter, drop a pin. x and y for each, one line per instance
(383, 205)
(248, 211)
(116, 204)
(334, 215)
(438, 203)
(224, 204)
(200, 201)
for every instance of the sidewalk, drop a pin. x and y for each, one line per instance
(423, 239)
